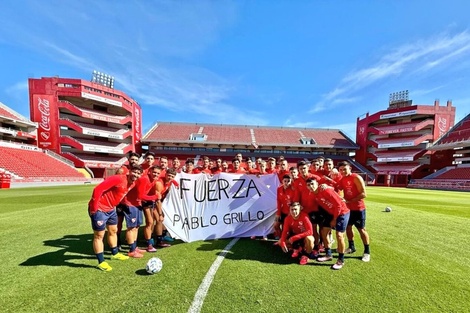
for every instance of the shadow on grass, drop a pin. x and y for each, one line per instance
(73, 247)
(259, 250)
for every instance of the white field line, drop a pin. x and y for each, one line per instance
(207, 281)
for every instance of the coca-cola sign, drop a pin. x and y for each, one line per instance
(442, 125)
(45, 110)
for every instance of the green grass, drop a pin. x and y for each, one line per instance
(419, 262)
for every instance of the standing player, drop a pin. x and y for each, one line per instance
(132, 160)
(236, 167)
(102, 212)
(297, 234)
(163, 187)
(149, 197)
(336, 217)
(354, 192)
(283, 169)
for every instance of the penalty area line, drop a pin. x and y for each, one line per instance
(207, 281)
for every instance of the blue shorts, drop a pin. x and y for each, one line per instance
(100, 220)
(358, 219)
(133, 216)
(341, 222)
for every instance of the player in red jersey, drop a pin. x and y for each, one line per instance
(218, 167)
(271, 165)
(354, 192)
(163, 162)
(297, 234)
(332, 175)
(336, 217)
(286, 194)
(189, 167)
(176, 164)
(149, 159)
(163, 187)
(132, 160)
(102, 211)
(236, 168)
(149, 197)
(315, 168)
(205, 168)
(283, 169)
(310, 207)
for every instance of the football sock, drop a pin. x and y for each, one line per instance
(366, 249)
(341, 257)
(100, 257)
(351, 244)
(132, 246)
(114, 250)
(119, 239)
(150, 242)
(328, 251)
(159, 239)
(315, 247)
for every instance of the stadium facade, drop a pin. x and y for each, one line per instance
(90, 124)
(394, 143)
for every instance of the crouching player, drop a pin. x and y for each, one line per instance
(297, 234)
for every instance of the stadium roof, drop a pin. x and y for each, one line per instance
(174, 132)
(10, 114)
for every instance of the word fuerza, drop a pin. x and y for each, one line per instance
(214, 190)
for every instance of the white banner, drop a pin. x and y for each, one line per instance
(220, 206)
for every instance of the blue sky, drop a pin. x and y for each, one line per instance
(317, 64)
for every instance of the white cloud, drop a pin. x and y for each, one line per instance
(409, 59)
(19, 87)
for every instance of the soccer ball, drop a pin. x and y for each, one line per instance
(388, 209)
(154, 265)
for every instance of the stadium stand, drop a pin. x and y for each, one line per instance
(29, 164)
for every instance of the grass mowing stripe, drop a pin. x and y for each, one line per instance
(207, 281)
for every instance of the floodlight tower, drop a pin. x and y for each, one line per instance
(102, 79)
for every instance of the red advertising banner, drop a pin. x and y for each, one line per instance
(45, 113)
(137, 127)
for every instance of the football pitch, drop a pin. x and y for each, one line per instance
(419, 262)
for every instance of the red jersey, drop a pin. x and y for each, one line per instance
(132, 197)
(204, 170)
(350, 191)
(296, 228)
(285, 197)
(331, 202)
(307, 201)
(239, 171)
(166, 187)
(281, 173)
(147, 191)
(109, 193)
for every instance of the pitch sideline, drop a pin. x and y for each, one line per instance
(201, 293)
